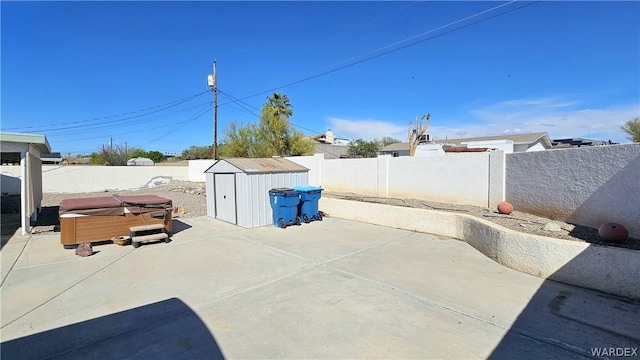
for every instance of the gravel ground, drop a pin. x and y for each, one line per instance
(189, 200)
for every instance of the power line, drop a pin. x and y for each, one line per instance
(238, 102)
(405, 46)
(165, 106)
(184, 123)
(112, 125)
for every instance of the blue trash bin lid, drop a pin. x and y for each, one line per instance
(284, 192)
(307, 188)
(280, 190)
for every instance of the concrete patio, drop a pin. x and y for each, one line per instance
(330, 289)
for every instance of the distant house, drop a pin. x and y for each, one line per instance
(521, 142)
(51, 158)
(330, 146)
(395, 150)
(577, 142)
(508, 143)
(331, 151)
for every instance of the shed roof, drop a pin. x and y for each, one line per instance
(261, 165)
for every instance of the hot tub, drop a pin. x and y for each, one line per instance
(103, 218)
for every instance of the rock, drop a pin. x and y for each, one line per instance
(505, 207)
(551, 226)
(613, 232)
(523, 225)
(84, 249)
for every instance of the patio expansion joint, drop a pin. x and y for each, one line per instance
(424, 301)
(65, 290)
(15, 261)
(314, 264)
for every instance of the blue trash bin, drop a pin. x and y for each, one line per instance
(284, 205)
(308, 207)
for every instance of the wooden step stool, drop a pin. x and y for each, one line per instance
(145, 233)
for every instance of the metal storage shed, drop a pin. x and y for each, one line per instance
(238, 188)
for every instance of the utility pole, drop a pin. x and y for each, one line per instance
(213, 84)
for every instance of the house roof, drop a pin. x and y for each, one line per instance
(261, 165)
(396, 147)
(37, 140)
(331, 151)
(578, 142)
(516, 138)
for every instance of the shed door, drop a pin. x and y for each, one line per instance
(225, 197)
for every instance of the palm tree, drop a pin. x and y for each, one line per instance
(280, 104)
(632, 127)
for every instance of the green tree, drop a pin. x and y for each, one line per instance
(136, 153)
(363, 148)
(115, 155)
(197, 152)
(632, 128)
(280, 105)
(387, 140)
(156, 156)
(272, 136)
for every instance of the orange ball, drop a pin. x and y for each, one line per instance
(505, 207)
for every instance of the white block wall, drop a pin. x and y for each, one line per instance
(588, 186)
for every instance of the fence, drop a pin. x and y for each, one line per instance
(585, 186)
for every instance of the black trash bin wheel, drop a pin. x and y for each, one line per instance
(319, 217)
(282, 223)
(306, 219)
(297, 220)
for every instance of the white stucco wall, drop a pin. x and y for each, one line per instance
(351, 175)
(455, 178)
(314, 164)
(11, 178)
(79, 178)
(587, 186)
(197, 168)
(469, 178)
(504, 145)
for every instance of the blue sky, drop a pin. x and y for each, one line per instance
(82, 73)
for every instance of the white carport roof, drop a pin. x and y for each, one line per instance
(39, 141)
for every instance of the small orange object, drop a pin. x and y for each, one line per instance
(505, 207)
(613, 232)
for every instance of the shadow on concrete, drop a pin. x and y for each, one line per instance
(572, 322)
(10, 223)
(49, 216)
(578, 322)
(167, 329)
(178, 226)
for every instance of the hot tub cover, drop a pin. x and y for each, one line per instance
(114, 205)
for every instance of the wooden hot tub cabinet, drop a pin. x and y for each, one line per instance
(101, 219)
